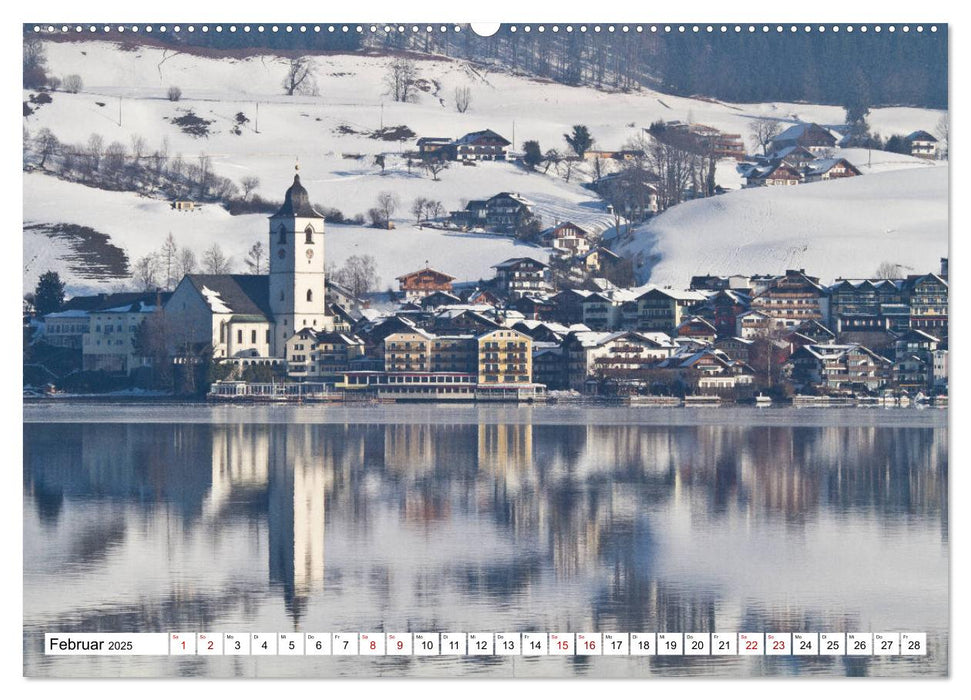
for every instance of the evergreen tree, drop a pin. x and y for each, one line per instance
(532, 154)
(580, 140)
(49, 294)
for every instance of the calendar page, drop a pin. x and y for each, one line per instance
(524, 350)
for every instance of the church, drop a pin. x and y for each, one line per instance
(249, 318)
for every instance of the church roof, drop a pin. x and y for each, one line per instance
(296, 202)
(247, 295)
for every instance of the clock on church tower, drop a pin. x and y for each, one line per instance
(296, 286)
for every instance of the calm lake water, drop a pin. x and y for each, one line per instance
(192, 518)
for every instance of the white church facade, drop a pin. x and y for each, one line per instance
(249, 318)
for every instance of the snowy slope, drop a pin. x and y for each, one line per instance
(139, 225)
(132, 83)
(832, 229)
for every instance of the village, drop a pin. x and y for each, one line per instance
(574, 328)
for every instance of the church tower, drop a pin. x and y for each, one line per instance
(297, 290)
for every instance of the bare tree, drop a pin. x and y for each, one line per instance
(387, 205)
(174, 94)
(169, 261)
(434, 167)
(567, 165)
(888, 271)
(214, 262)
(433, 209)
(255, 257)
(35, 62)
(358, 274)
(146, 272)
(551, 158)
(47, 145)
(186, 263)
(137, 147)
(763, 131)
(418, 208)
(249, 183)
(401, 79)
(96, 147)
(942, 131)
(300, 78)
(463, 98)
(73, 83)
(114, 158)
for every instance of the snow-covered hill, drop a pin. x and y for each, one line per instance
(832, 229)
(124, 96)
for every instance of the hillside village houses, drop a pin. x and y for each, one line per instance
(474, 146)
(527, 329)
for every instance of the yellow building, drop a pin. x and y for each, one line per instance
(505, 357)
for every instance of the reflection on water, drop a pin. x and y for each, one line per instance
(490, 526)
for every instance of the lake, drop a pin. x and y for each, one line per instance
(168, 517)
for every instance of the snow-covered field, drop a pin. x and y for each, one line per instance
(139, 225)
(832, 229)
(134, 82)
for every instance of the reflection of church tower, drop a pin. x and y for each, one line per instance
(296, 250)
(296, 515)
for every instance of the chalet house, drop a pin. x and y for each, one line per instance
(636, 191)
(315, 354)
(518, 276)
(473, 216)
(724, 308)
(568, 239)
(417, 285)
(868, 305)
(753, 324)
(479, 145)
(439, 298)
(600, 260)
(735, 347)
(812, 137)
(613, 354)
(777, 174)
(463, 319)
(829, 169)
(793, 299)
(927, 297)
(794, 156)
(922, 144)
(838, 368)
(709, 371)
(698, 329)
(702, 138)
(660, 310)
(534, 306)
(433, 146)
(913, 367)
(501, 213)
(569, 306)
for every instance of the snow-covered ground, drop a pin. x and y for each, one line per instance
(832, 229)
(124, 95)
(139, 225)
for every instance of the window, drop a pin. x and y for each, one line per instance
(283, 235)
(253, 337)
(309, 235)
(310, 295)
(239, 336)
